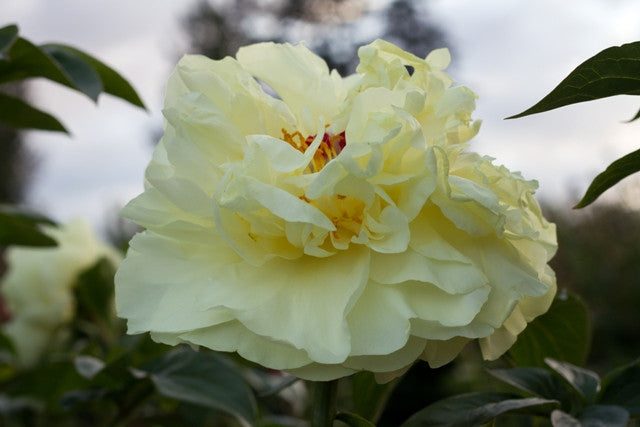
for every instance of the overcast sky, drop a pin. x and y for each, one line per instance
(510, 52)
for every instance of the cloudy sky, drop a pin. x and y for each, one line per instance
(510, 52)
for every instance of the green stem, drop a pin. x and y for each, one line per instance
(324, 403)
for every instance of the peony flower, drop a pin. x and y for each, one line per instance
(38, 287)
(336, 227)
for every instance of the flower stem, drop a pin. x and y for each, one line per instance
(324, 403)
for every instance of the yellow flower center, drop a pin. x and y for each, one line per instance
(328, 150)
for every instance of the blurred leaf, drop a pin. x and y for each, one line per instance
(19, 229)
(622, 387)
(79, 71)
(205, 379)
(474, 409)
(88, 366)
(8, 35)
(537, 381)
(584, 381)
(369, 397)
(562, 333)
(47, 382)
(562, 419)
(94, 292)
(112, 82)
(604, 416)
(614, 71)
(16, 113)
(353, 420)
(28, 60)
(615, 172)
(6, 344)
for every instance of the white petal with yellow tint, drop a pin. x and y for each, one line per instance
(311, 297)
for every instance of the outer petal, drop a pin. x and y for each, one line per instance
(303, 302)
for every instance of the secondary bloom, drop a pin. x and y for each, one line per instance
(338, 226)
(38, 287)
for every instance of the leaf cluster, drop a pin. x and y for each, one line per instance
(614, 71)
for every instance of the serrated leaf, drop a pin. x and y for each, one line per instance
(16, 113)
(613, 174)
(8, 35)
(112, 82)
(369, 397)
(204, 379)
(79, 71)
(622, 387)
(562, 333)
(614, 71)
(604, 416)
(537, 381)
(353, 420)
(473, 409)
(584, 381)
(17, 229)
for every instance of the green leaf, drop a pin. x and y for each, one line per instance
(28, 60)
(353, 420)
(113, 83)
(615, 172)
(622, 387)
(79, 71)
(604, 416)
(21, 229)
(562, 419)
(584, 381)
(474, 409)
(94, 292)
(369, 397)
(205, 379)
(16, 113)
(8, 35)
(5, 342)
(537, 381)
(562, 333)
(634, 118)
(614, 71)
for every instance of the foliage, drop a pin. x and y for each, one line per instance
(21, 60)
(614, 71)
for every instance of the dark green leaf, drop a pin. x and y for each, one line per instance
(205, 379)
(537, 381)
(634, 118)
(16, 113)
(353, 420)
(584, 381)
(614, 71)
(28, 60)
(5, 342)
(562, 419)
(8, 35)
(604, 416)
(615, 172)
(94, 292)
(622, 387)
(46, 382)
(562, 333)
(369, 397)
(112, 82)
(473, 409)
(79, 71)
(18, 229)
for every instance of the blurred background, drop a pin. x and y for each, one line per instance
(511, 53)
